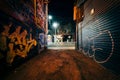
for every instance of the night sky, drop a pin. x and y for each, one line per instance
(62, 9)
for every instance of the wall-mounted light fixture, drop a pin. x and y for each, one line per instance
(92, 11)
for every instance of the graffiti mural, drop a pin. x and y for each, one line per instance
(3, 40)
(19, 32)
(91, 49)
(42, 39)
(18, 44)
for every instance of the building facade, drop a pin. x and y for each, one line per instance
(22, 25)
(97, 31)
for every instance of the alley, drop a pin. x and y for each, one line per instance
(59, 40)
(61, 65)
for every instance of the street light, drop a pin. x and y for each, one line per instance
(55, 25)
(49, 17)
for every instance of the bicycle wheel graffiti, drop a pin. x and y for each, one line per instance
(99, 47)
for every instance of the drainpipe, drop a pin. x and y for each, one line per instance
(77, 36)
(81, 48)
(46, 26)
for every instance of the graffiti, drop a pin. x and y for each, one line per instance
(3, 40)
(91, 49)
(42, 39)
(18, 43)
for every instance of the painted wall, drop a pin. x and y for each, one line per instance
(101, 33)
(20, 30)
(17, 39)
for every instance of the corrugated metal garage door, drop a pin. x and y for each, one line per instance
(101, 32)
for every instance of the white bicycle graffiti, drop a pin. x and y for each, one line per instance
(92, 50)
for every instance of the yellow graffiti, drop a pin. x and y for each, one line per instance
(19, 45)
(3, 39)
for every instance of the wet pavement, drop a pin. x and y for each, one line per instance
(61, 65)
